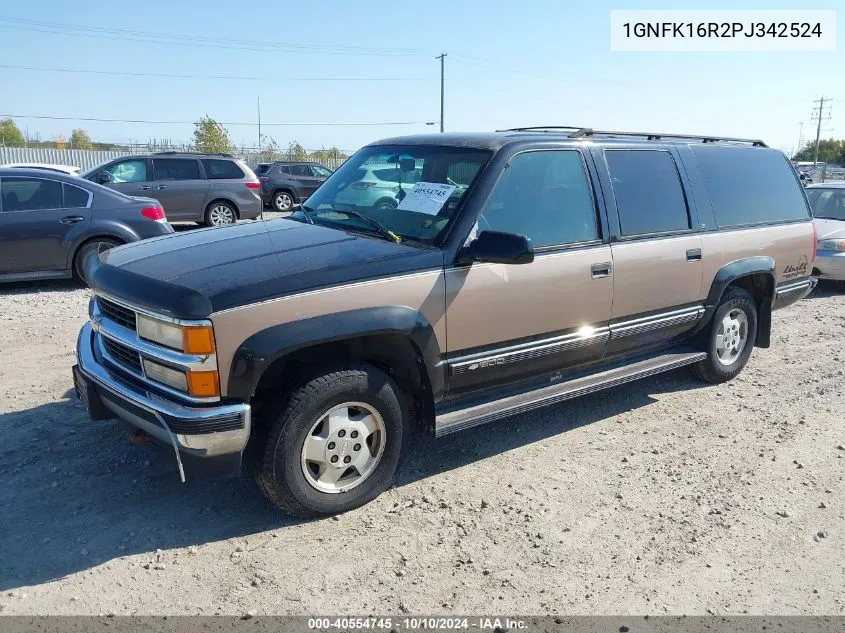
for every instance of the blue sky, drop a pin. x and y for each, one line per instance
(509, 63)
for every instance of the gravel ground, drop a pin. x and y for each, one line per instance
(664, 496)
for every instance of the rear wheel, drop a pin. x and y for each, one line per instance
(730, 342)
(97, 245)
(282, 201)
(336, 442)
(220, 213)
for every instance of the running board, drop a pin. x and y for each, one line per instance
(460, 419)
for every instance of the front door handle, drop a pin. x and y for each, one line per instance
(601, 270)
(694, 255)
(144, 187)
(160, 187)
(71, 219)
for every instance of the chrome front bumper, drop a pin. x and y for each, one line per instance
(205, 432)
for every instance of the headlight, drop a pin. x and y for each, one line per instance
(191, 339)
(831, 245)
(166, 375)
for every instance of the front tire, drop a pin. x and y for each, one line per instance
(336, 442)
(283, 201)
(731, 339)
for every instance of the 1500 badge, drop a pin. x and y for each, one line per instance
(790, 272)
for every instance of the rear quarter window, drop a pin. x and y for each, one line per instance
(750, 185)
(222, 169)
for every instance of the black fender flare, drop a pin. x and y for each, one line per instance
(262, 349)
(731, 272)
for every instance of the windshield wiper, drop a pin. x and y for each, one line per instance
(307, 211)
(383, 230)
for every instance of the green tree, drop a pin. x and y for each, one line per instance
(269, 150)
(79, 139)
(10, 134)
(210, 136)
(296, 151)
(830, 151)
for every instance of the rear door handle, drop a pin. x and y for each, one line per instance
(144, 187)
(71, 219)
(160, 187)
(601, 270)
(694, 255)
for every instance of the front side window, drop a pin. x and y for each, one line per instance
(827, 204)
(649, 195)
(176, 169)
(128, 171)
(378, 182)
(545, 196)
(321, 172)
(30, 194)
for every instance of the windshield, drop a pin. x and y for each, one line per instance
(828, 204)
(413, 190)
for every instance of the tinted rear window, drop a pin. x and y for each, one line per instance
(750, 185)
(260, 169)
(218, 169)
(176, 169)
(75, 197)
(649, 197)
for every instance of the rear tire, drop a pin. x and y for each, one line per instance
(282, 201)
(100, 245)
(220, 213)
(730, 341)
(345, 415)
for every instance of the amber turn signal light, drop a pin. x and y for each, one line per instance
(198, 339)
(203, 384)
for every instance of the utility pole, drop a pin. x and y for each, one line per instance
(818, 115)
(800, 136)
(259, 125)
(442, 58)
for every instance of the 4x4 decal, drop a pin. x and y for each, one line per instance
(790, 272)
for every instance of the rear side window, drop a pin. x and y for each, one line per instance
(75, 197)
(30, 194)
(218, 169)
(750, 185)
(649, 195)
(300, 170)
(176, 169)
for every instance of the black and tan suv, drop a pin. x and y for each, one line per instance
(567, 261)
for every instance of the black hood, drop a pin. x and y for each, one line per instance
(190, 275)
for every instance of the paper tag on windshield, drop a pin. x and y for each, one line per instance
(426, 197)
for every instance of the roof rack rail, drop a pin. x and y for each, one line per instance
(187, 151)
(583, 132)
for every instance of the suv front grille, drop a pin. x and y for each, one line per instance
(117, 313)
(124, 356)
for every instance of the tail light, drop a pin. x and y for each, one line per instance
(252, 184)
(815, 242)
(156, 214)
(363, 185)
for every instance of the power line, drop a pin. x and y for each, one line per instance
(79, 30)
(818, 115)
(177, 76)
(250, 123)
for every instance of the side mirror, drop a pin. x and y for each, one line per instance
(496, 247)
(104, 178)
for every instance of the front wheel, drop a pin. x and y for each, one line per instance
(733, 333)
(336, 443)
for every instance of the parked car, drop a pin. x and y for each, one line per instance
(828, 204)
(285, 184)
(214, 189)
(62, 169)
(562, 267)
(50, 222)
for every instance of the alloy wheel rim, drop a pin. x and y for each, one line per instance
(343, 448)
(222, 215)
(731, 336)
(283, 202)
